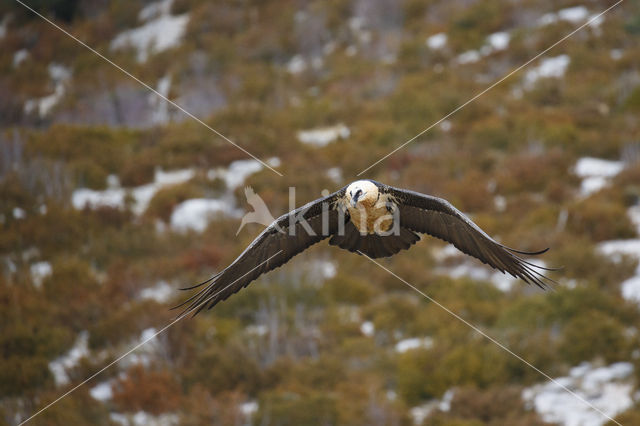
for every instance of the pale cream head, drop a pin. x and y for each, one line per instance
(362, 192)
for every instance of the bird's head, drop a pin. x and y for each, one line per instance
(362, 192)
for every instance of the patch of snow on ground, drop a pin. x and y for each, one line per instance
(19, 213)
(616, 54)
(437, 41)
(19, 57)
(82, 197)
(39, 271)
(324, 135)
(595, 173)
(608, 388)
(102, 391)
(60, 365)
(630, 288)
(239, 171)
(367, 328)
(549, 67)
(142, 195)
(468, 57)
(499, 40)
(296, 65)
(414, 343)
(145, 353)
(59, 75)
(160, 113)
(249, 408)
(161, 292)
(162, 32)
(155, 10)
(142, 418)
(571, 14)
(195, 214)
(421, 412)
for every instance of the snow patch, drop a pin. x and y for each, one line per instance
(296, 65)
(19, 213)
(238, 171)
(161, 31)
(249, 408)
(195, 214)
(160, 107)
(608, 388)
(414, 343)
(437, 41)
(149, 347)
(59, 76)
(115, 195)
(549, 67)
(39, 271)
(368, 329)
(445, 126)
(102, 391)
(161, 292)
(69, 360)
(142, 418)
(499, 40)
(630, 288)
(322, 136)
(571, 14)
(468, 57)
(155, 10)
(19, 57)
(421, 412)
(595, 173)
(616, 54)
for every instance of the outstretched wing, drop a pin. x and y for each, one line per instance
(438, 218)
(279, 242)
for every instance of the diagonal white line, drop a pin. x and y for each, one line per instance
(492, 340)
(138, 345)
(150, 88)
(595, 17)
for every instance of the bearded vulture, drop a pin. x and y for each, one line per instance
(366, 217)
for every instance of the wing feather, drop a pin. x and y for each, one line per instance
(438, 218)
(274, 247)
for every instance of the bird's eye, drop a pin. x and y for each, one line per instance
(358, 193)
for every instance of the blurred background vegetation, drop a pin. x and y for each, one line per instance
(93, 249)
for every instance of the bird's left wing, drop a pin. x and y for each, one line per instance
(284, 238)
(437, 217)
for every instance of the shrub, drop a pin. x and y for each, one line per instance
(153, 391)
(592, 333)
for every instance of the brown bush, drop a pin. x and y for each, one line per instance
(153, 391)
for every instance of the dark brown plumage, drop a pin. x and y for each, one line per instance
(415, 213)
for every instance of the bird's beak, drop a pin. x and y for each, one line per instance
(354, 202)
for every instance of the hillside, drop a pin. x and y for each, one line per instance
(112, 198)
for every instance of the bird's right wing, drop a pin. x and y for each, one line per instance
(279, 242)
(437, 217)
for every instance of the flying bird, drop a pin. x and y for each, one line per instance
(369, 218)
